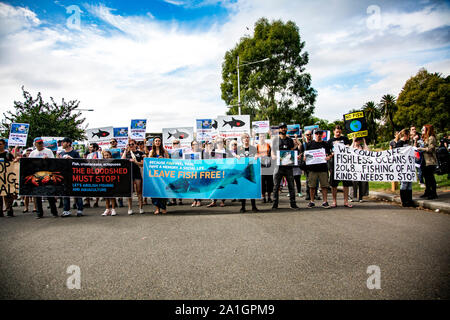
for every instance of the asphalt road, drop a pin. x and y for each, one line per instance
(218, 253)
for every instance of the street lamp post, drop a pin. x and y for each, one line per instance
(238, 81)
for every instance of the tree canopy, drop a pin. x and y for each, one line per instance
(45, 119)
(277, 89)
(425, 99)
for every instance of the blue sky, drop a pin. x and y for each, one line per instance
(161, 59)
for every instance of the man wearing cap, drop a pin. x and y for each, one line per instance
(42, 152)
(283, 142)
(69, 153)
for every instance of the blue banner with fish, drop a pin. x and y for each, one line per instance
(202, 179)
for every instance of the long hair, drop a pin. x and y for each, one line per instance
(162, 151)
(429, 131)
(404, 133)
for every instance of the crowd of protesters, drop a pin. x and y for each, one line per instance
(428, 155)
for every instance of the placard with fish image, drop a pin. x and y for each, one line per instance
(18, 134)
(202, 179)
(287, 158)
(184, 134)
(138, 128)
(233, 126)
(101, 136)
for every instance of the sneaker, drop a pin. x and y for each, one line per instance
(130, 212)
(299, 194)
(294, 206)
(65, 214)
(361, 200)
(106, 213)
(113, 212)
(141, 211)
(22, 204)
(422, 185)
(275, 205)
(311, 205)
(79, 213)
(326, 205)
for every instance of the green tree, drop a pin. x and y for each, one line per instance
(45, 119)
(372, 114)
(278, 89)
(388, 108)
(425, 99)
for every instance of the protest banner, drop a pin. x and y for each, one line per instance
(287, 157)
(138, 128)
(261, 126)
(121, 136)
(294, 129)
(184, 134)
(326, 135)
(53, 143)
(364, 165)
(233, 126)
(316, 156)
(101, 136)
(311, 128)
(355, 125)
(75, 177)
(9, 177)
(202, 179)
(205, 129)
(18, 134)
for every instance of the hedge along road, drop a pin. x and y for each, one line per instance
(217, 253)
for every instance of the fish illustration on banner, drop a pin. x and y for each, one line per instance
(294, 129)
(101, 136)
(205, 131)
(121, 136)
(202, 179)
(185, 135)
(138, 128)
(233, 126)
(52, 143)
(261, 126)
(18, 134)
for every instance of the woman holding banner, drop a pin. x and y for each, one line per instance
(363, 186)
(429, 153)
(137, 159)
(263, 150)
(196, 148)
(405, 187)
(158, 151)
(219, 152)
(246, 151)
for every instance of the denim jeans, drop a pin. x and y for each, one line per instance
(405, 185)
(78, 201)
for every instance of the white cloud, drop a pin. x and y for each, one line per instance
(172, 75)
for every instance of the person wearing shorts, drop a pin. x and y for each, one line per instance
(318, 172)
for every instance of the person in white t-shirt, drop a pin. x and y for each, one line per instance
(44, 153)
(94, 153)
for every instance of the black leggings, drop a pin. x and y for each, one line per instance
(267, 184)
(298, 183)
(430, 181)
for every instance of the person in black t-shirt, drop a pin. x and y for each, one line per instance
(319, 171)
(283, 142)
(247, 151)
(338, 138)
(137, 159)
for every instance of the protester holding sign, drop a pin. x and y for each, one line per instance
(247, 151)
(219, 152)
(109, 202)
(263, 150)
(69, 153)
(41, 152)
(429, 149)
(94, 153)
(280, 143)
(137, 158)
(8, 199)
(318, 171)
(158, 151)
(196, 148)
(362, 186)
(338, 138)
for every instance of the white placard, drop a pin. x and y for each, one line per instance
(316, 156)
